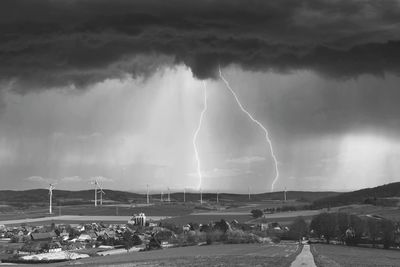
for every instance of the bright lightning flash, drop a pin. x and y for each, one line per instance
(269, 142)
(196, 133)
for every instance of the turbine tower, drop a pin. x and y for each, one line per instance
(51, 188)
(284, 195)
(147, 195)
(101, 192)
(96, 185)
(169, 199)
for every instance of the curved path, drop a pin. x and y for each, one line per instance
(305, 258)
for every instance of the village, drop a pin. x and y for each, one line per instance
(62, 242)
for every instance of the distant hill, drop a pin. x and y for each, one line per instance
(368, 195)
(291, 195)
(64, 197)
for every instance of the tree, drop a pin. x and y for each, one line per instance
(388, 233)
(130, 240)
(373, 230)
(298, 228)
(194, 226)
(324, 224)
(342, 225)
(356, 224)
(73, 232)
(257, 213)
(222, 226)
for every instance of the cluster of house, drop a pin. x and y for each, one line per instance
(45, 239)
(35, 240)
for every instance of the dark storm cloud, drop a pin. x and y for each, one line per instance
(56, 43)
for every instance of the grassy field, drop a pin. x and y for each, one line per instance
(336, 255)
(181, 213)
(106, 210)
(182, 220)
(153, 210)
(214, 255)
(391, 213)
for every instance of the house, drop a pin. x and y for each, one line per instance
(75, 246)
(92, 235)
(138, 219)
(264, 226)
(64, 235)
(43, 236)
(186, 228)
(55, 247)
(84, 237)
(107, 234)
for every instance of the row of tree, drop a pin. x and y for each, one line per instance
(352, 229)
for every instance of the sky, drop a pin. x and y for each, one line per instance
(114, 90)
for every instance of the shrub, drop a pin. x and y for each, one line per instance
(214, 236)
(275, 239)
(238, 237)
(257, 213)
(194, 237)
(172, 227)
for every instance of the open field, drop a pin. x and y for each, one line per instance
(337, 255)
(391, 213)
(71, 219)
(199, 218)
(224, 255)
(179, 213)
(106, 210)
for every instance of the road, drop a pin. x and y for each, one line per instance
(305, 258)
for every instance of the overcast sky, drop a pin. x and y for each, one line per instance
(113, 89)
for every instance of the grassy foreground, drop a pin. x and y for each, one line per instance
(213, 255)
(338, 255)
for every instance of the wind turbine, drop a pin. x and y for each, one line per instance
(51, 188)
(96, 184)
(284, 194)
(147, 195)
(169, 199)
(101, 192)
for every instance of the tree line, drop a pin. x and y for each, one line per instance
(352, 229)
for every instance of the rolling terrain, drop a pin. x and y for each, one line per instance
(388, 194)
(65, 197)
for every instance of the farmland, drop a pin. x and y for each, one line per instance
(225, 255)
(337, 255)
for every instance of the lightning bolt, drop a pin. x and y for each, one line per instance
(269, 142)
(196, 133)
